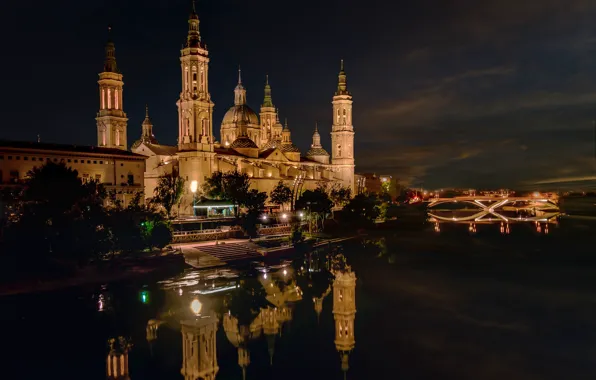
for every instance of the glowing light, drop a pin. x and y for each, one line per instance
(284, 216)
(180, 291)
(264, 217)
(285, 272)
(196, 306)
(265, 276)
(227, 143)
(194, 186)
(145, 296)
(301, 214)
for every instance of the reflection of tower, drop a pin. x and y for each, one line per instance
(318, 302)
(344, 313)
(239, 336)
(152, 327)
(270, 328)
(117, 360)
(199, 356)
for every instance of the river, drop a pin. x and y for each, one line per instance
(423, 305)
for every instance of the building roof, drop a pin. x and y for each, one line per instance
(68, 148)
(316, 152)
(162, 150)
(243, 142)
(289, 147)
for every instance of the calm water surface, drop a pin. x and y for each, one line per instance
(423, 305)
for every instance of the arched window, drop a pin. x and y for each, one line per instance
(338, 150)
(344, 118)
(109, 98)
(103, 98)
(338, 115)
(116, 101)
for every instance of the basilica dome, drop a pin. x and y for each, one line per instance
(240, 112)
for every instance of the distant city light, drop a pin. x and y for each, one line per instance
(264, 217)
(145, 296)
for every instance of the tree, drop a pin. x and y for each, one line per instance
(161, 235)
(230, 186)
(213, 186)
(254, 201)
(316, 203)
(281, 194)
(340, 195)
(58, 216)
(362, 210)
(168, 192)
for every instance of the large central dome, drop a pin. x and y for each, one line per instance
(240, 112)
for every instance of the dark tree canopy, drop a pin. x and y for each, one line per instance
(281, 194)
(168, 192)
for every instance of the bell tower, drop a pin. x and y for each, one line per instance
(195, 108)
(195, 115)
(268, 115)
(111, 119)
(342, 132)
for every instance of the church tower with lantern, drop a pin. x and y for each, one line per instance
(195, 108)
(111, 119)
(342, 132)
(196, 155)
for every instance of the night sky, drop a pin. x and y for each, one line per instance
(459, 93)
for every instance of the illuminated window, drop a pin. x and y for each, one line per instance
(117, 137)
(338, 115)
(116, 102)
(109, 98)
(103, 98)
(103, 136)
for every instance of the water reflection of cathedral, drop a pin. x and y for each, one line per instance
(259, 308)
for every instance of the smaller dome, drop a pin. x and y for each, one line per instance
(286, 148)
(243, 142)
(316, 152)
(271, 144)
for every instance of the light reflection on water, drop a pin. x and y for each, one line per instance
(252, 308)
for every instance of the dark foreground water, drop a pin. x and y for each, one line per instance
(427, 305)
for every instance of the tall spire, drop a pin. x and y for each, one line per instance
(342, 88)
(316, 138)
(194, 38)
(286, 125)
(110, 61)
(267, 101)
(239, 91)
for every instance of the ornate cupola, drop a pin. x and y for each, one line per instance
(147, 136)
(316, 151)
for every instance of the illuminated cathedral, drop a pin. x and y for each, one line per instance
(256, 144)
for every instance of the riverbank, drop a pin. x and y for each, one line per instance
(116, 270)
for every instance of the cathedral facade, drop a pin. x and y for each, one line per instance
(258, 145)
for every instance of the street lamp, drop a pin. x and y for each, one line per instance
(193, 188)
